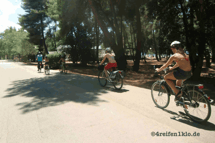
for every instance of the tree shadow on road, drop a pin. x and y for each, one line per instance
(183, 118)
(55, 90)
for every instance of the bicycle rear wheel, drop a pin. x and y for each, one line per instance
(102, 78)
(118, 82)
(199, 108)
(160, 95)
(65, 69)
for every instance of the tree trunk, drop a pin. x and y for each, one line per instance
(42, 31)
(132, 46)
(118, 50)
(97, 43)
(54, 35)
(201, 42)
(155, 45)
(189, 38)
(207, 58)
(213, 51)
(138, 52)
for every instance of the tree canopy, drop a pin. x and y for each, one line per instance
(129, 27)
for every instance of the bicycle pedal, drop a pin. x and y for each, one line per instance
(185, 106)
(179, 103)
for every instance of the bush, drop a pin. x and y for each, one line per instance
(53, 60)
(24, 59)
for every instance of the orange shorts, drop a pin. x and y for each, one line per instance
(110, 65)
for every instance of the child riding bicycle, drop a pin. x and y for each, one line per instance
(111, 61)
(46, 60)
(62, 60)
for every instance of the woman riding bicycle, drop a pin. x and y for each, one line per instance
(183, 68)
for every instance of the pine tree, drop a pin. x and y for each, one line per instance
(35, 21)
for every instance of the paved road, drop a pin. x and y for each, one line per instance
(36, 108)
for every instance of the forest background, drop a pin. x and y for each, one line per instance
(129, 27)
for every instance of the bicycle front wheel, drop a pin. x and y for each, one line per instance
(160, 95)
(199, 108)
(102, 78)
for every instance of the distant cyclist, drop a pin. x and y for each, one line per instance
(183, 68)
(62, 62)
(46, 61)
(39, 59)
(111, 61)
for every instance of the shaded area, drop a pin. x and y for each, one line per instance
(145, 76)
(183, 118)
(55, 90)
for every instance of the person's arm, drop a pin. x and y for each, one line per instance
(103, 60)
(166, 64)
(175, 66)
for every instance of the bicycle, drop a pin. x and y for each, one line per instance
(47, 70)
(63, 68)
(115, 76)
(193, 99)
(40, 67)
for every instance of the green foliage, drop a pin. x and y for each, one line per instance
(15, 43)
(35, 20)
(161, 23)
(54, 60)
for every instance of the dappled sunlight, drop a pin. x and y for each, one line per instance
(143, 78)
(56, 90)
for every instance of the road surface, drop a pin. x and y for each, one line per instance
(58, 108)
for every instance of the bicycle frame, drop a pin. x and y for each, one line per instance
(193, 99)
(184, 89)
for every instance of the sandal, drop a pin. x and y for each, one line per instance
(178, 96)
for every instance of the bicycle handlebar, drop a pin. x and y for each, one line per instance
(165, 70)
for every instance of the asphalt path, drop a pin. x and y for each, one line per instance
(72, 108)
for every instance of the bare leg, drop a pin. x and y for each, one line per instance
(106, 72)
(168, 78)
(178, 82)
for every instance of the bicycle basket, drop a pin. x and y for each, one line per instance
(101, 67)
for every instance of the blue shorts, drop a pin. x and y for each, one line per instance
(180, 74)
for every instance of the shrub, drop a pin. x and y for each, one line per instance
(24, 59)
(53, 60)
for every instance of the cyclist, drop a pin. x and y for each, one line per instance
(39, 59)
(62, 59)
(182, 66)
(111, 61)
(46, 62)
